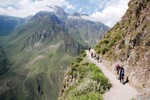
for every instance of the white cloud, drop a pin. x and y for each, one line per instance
(80, 10)
(112, 12)
(28, 7)
(69, 6)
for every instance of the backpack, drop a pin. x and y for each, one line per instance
(122, 71)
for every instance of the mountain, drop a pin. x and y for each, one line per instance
(128, 42)
(38, 52)
(58, 10)
(3, 61)
(8, 24)
(90, 32)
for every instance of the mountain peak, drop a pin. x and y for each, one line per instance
(58, 10)
(77, 14)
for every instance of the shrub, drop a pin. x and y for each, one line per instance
(70, 73)
(88, 96)
(111, 43)
(91, 96)
(82, 53)
(79, 59)
(91, 82)
(104, 50)
(94, 69)
(106, 41)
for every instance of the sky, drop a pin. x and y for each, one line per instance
(107, 11)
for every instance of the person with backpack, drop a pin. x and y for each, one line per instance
(122, 74)
(97, 58)
(89, 49)
(118, 69)
(92, 54)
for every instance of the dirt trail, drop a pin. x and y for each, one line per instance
(118, 91)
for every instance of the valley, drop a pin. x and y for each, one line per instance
(39, 52)
(42, 57)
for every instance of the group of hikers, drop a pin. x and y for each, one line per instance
(94, 55)
(119, 68)
(120, 73)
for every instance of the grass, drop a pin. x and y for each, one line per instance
(50, 68)
(108, 42)
(91, 82)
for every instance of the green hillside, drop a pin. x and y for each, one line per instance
(84, 81)
(128, 42)
(38, 53)
(3, 61)
(9, 24)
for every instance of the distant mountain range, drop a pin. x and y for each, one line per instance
(75, 23)
(38, 49)
(8, 24)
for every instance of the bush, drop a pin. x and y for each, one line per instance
(82, 53)
(94, 69)
(111, 43)
(91, 82)
(88, 96)
(106, 41)
(104, 83)
(104, 50)
(79, 59)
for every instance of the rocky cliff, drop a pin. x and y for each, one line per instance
(128, 42)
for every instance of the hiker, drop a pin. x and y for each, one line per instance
(92, 54)
(89, 49)
(39, 89)
(97, 58)
(121, 75)
(117, 69)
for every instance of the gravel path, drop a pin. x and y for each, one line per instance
(118, 91)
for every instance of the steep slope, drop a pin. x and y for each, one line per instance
(128, 42)
(91, 32)
(117, 91)
(38, 52)
(3, 61)
(8, 24)
(84, 81)
(81, 28)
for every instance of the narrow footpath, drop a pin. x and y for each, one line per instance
(118, 91)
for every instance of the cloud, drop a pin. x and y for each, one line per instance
(69, 6)
(80, 10)
(107, 11)
(111, 13)
(24, 8)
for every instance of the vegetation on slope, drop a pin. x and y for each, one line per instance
(132, 31)
(129, 42)
(3, 61)
(84, 81)
(39, 52)
(8, 24)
